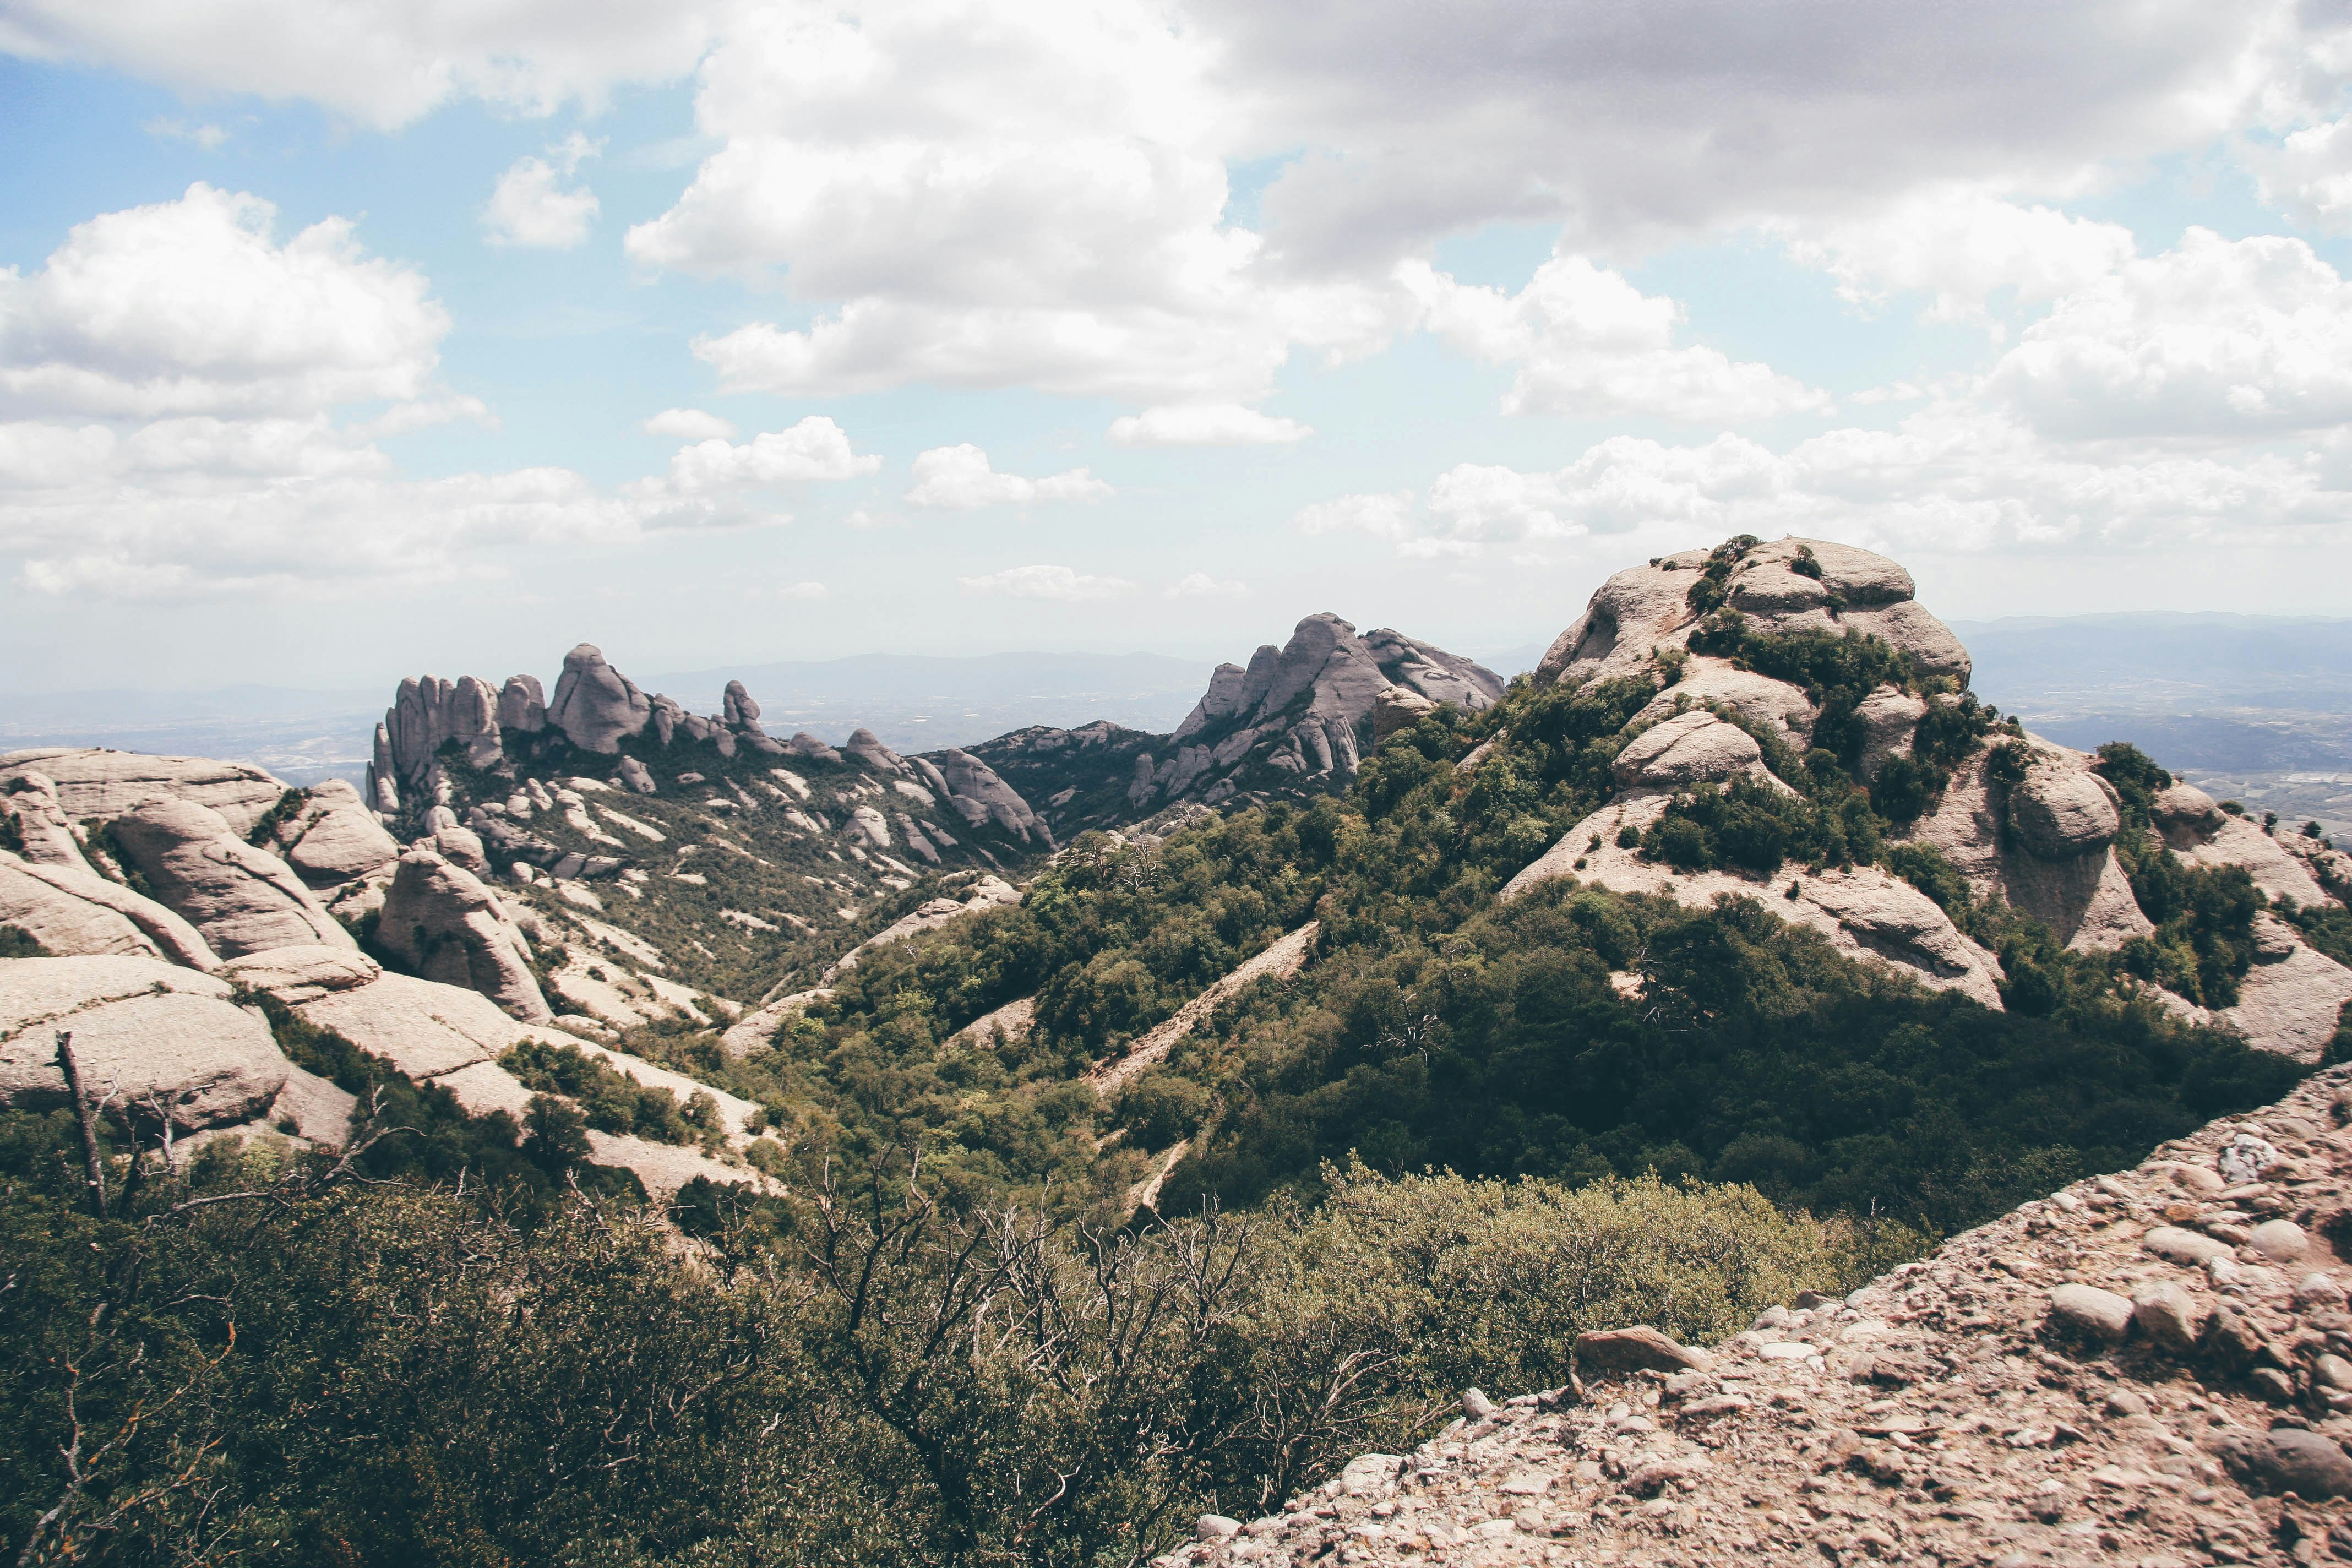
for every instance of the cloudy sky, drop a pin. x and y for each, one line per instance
(345, 338)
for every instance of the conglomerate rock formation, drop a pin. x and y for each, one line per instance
(2153, 1367)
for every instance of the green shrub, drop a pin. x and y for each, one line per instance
(16, 942)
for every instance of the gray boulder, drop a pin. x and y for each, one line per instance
(1888, 719)
(2060, 813)
(332, 838)
(1708, 682)
(442, 921)
(981, 797)
(241, 899)
(147, 1037)
(739, 709)
(867, 748)
(634, 774)
(299, 975)
(595, 706)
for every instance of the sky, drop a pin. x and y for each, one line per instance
(347, 339)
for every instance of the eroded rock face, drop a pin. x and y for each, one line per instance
(297, 974)
(1398, 708)
(1758, 699)
(333, 838)
(740, 708)
(980, 796)
(78, 913)
(2042, 844)
(1691, 748)
(149, 1036)
(29, 802)
(522, 705)
(241, 899)
(90, 782)
(595, 706)
(1644, 608)
(446, 924)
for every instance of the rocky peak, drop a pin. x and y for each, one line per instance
(596, 705)
(1791, 585)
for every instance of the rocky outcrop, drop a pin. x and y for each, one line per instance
(1791, 585)
(1305, 713)
(522, 705)
(2042, 844)
(154, 1042)
(43, 835)
(294, 974)
(445, 924)
(981, 797)
(430, 712)
(1773, 705)
(1691, 748)
(1865, 913)
(332, 838)
(595, 706)
(2203, 834)
(241, 899)
(94, 784)
(78, 913)
(2143, 1368)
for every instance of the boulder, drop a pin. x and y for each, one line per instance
(78, 913)
(2063, 814)
(1637, 1349)
(90, 782)
(1691, 748)
(2086, 1309)
(595, 706)
(868, 826)
(2168, 1317)
(634, 774)
(241, 899)
(442, 921)
(741, 709)
(2291, 1003)
(803, 744)
(148, 1035)
(333, 838)
(1398, 708)
(2286, 1460)
(462, 847)
(2192, 1247)
(296, 974)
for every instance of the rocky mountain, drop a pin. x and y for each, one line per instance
(1297, 722)
(565, 870)
(2024, 823)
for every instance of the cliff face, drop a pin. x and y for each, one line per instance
(2151, 1367)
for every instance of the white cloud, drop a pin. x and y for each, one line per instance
(381, 62)
(861, 517)
(1954, 477)
(530, 207)
(2217, 339)
(1382, 516)
(801, 591)
(1960, 246)
(1586, 342)
(959, 477)
(987, 195)
(815, 449)
(1204, 424)
(190, 306)
(1058, 583)
(1201, 585)
(690, 424)
(2309, 173)
(211, 138)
